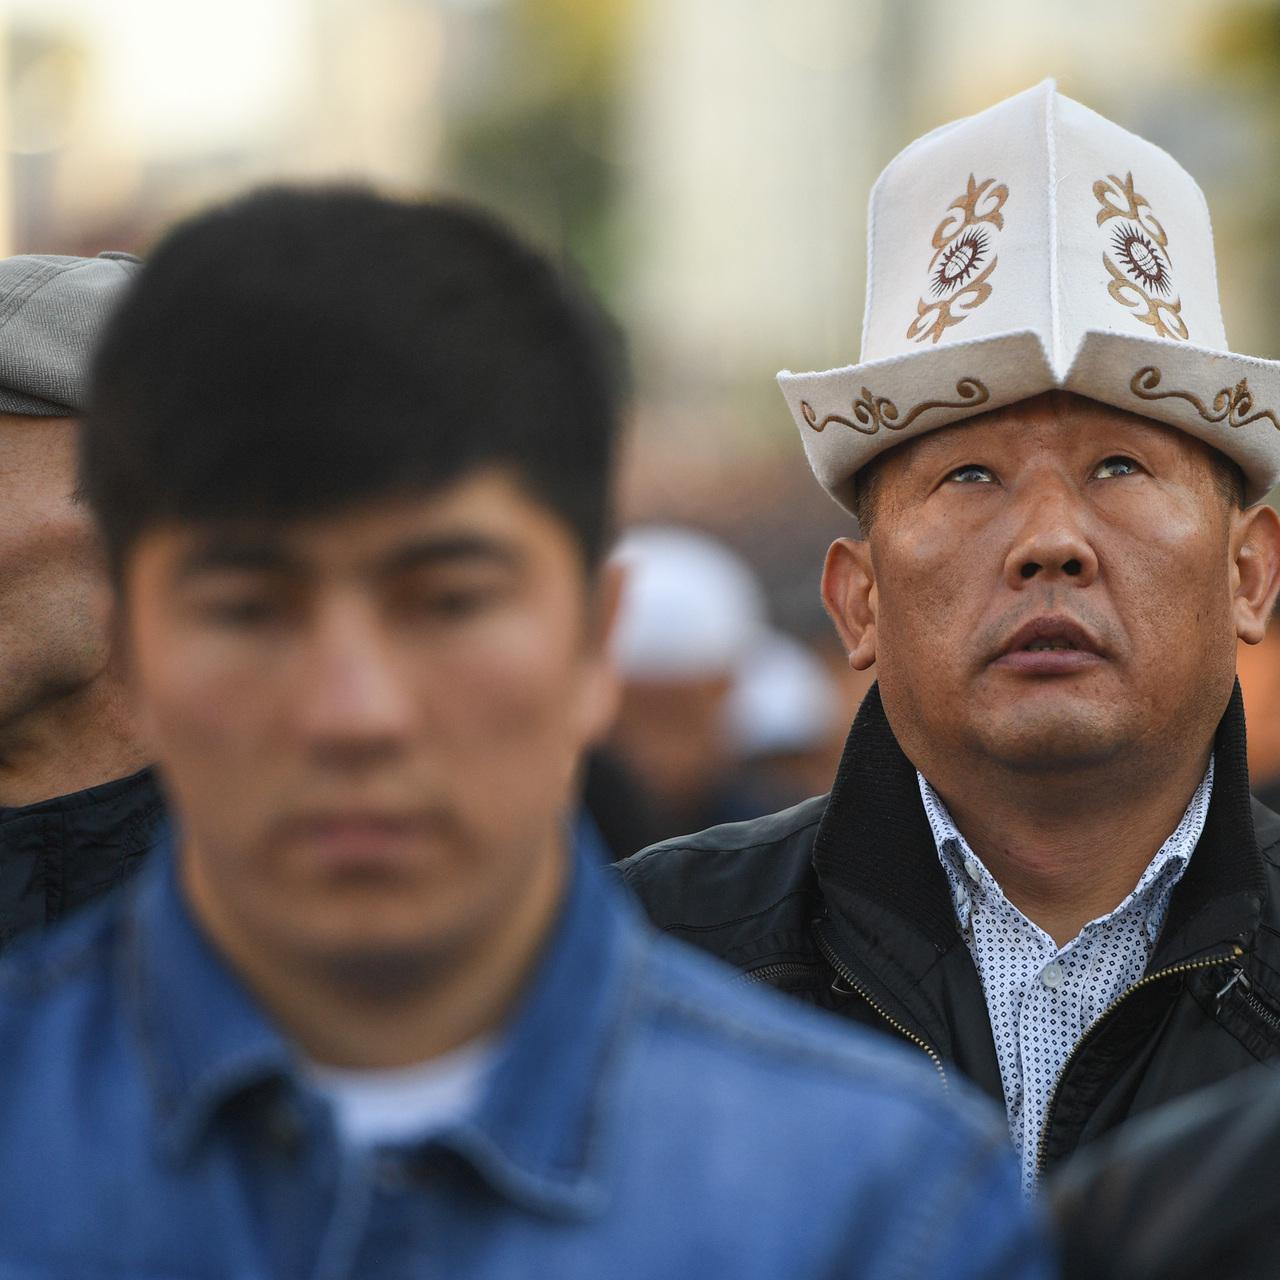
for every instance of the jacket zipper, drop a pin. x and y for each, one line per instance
(770, 972)
(1210, 963)
(856, 988)
(1263, 1011)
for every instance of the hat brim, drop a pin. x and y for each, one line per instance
(848, 416)
(20, 405)
(1229, 401)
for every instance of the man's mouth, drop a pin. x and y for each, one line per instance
(1054, 645)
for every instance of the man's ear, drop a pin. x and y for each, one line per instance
(603, 691)
(849, 593)
(1255, 570)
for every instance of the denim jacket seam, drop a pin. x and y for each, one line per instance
(339, 1245)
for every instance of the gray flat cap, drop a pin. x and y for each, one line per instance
(52, 313)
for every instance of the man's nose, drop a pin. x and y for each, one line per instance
(352, 704)
(1051, 541)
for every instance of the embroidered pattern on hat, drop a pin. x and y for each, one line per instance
(871, 412)
(962, 260)
(1141, 272)
(1233, 405)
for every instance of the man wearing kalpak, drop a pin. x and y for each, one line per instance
(1038, 862)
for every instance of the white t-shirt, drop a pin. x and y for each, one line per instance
(405, 1104)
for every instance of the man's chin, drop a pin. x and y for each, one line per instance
(1040, 741)
(378, 972)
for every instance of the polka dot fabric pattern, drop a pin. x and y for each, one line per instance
(1042, 998)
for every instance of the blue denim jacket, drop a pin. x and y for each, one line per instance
(645, 1117)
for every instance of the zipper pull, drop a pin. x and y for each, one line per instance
(1238, 976)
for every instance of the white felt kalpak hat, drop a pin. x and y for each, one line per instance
(1037, 246)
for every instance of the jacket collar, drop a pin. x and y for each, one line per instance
(1219, 898)
(127, 799)
(874, 844)
(59, 853)
(205, 1040)
(535, 1136)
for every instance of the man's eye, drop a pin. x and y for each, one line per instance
(449, 604)
(244, 612)
(1117, 466)
(972, 475)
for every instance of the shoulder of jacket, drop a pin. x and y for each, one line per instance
(726, 873)
(771, 1036)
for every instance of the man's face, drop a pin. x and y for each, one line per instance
(369, 723)
(1054, 585)
(53, 593)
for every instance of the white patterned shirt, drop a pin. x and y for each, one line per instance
(1041, 998)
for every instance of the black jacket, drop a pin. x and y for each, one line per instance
(1188, 1192)
(59, 854)
(842, 901)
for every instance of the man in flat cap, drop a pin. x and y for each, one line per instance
(1039, 862)
(78, 809)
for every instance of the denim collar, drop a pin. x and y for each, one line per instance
(537, 1134)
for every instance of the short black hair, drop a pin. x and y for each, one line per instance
(299, 351)
(863, 496)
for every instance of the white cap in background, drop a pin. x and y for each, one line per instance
(691, 607)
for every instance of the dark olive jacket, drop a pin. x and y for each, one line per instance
(59, 854)
(842, 902)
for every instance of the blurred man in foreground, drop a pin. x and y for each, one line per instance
(1038, 862)
(78, 810)
(371, 1015)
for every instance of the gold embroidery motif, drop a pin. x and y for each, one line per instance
(1234, 405)
(871, 412)
(1135, 206)
(1143, 280)
(961, 244)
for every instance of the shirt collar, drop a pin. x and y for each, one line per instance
(971, 883)
(533, 1133)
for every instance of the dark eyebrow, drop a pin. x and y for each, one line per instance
(219, 554)
(223, 553)
(448, 549)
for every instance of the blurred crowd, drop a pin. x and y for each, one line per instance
(723, 716)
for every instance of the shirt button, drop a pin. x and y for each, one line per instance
(972, 868)
(1051, 975)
